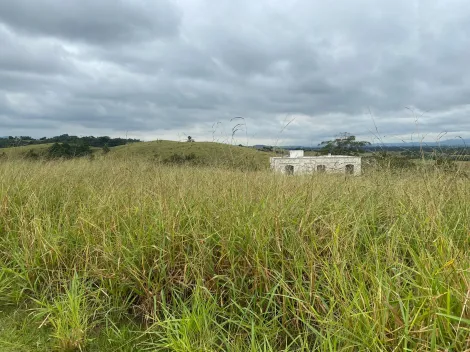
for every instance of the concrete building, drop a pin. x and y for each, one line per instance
(296, 163)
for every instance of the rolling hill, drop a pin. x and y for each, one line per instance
(20, 152)
(200, 153)
(204, 153)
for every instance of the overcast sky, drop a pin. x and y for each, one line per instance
(298, 71)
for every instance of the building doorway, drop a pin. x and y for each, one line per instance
(321, 168)
(350, 169)
(289, 169)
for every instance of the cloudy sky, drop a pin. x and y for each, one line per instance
(298, 71)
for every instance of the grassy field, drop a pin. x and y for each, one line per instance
(204, 153)
(21, 152)
(125, 254)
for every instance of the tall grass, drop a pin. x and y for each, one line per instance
(132, 256)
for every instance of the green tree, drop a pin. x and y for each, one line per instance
(344, 144)
(67, 151)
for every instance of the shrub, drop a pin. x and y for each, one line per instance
(105, 150)
(32, 155)
(445, 164)
(384, 160)
(179, 159)
(67, 151)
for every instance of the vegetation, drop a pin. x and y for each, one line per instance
(125, 254)
(67, 151)
(207, 154)
(202, 153)
(97, 142)
(391, 162)
(179, 159)
(22, 152)
(344, 144)
(105, 150)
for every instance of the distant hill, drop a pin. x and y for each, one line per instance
(19, 152)
(205, 153)
(457, 142)
(200, 153)
(98, 142)
(284, 147)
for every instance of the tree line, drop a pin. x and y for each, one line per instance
(91, 141)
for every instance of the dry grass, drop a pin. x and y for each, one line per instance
(205, 153)
(131, 255)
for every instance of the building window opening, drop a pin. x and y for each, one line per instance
(349, 169)
(321, 168)
(289, 169)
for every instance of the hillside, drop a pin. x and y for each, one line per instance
(20, 152)
(201, 153)
(204, 153)
(39, 149)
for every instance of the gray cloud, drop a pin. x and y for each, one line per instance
(98, 22)
(161, 68)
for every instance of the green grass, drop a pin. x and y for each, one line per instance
(123, 254)
(20, 152)
(205, 153)
(19, 334)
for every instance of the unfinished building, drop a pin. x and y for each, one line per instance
(296, 163)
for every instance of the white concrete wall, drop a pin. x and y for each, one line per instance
(296, 153)
(305, 165)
